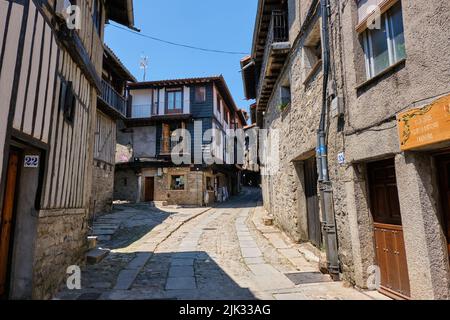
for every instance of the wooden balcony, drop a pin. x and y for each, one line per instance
(277, 47)
(112, 102)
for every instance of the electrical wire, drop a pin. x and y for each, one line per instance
(178, 44)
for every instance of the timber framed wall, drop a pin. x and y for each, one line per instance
(34, 60)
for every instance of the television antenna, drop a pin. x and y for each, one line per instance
(143, 64)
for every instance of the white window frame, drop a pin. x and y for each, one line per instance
(368, 49)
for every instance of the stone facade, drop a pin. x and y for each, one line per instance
(126, 185)
(370, 110)
(58, 232)
(284, 194)
(197, 184)
(191, 195)
(103, 187)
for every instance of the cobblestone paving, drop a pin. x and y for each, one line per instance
(195, 253)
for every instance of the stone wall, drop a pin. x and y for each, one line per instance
(194, 187)
(368, 132)
(61, 242)
(102, 187)
(283, 192)
(126, 185)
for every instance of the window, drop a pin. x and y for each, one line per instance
(285, 95)
(312, 53)
(174, 102)
(177, 183)
(385, 46)
(97, 15)
(219, 102)
(67, 101)
(200, 94)
(226, 116)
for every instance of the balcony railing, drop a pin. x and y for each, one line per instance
(114, 99)
(278, 28)
(150, 110)
(141, 111)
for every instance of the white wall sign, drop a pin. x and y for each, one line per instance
(341, 158)
(31, 162)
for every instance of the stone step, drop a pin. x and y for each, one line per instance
(102, 231)
(96, 255)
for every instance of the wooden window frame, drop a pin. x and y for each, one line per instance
(97, 15)
(171, 179)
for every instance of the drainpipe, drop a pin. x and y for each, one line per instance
(326, 192)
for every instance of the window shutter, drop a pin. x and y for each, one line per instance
(69, 102)
(62, 95)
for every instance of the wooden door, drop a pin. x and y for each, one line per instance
(312, 202)
(388, 231)
(149, 189)
(166, 139)
(7, 218)
(443, 164)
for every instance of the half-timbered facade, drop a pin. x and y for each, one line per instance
(145, 170)
(50, 75)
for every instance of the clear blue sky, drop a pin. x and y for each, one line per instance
(214, 24)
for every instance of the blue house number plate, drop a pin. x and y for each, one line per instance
(31, 162)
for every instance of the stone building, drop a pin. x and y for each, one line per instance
(50, 75)
(387, 134)
(389, 130)
(147, 138)
(284, 75)
(251, 175)
(111, 107)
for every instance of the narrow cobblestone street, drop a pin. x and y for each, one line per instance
(203, 253)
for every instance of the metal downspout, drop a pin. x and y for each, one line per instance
(326, 190)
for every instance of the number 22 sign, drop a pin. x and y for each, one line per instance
(31, 162)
